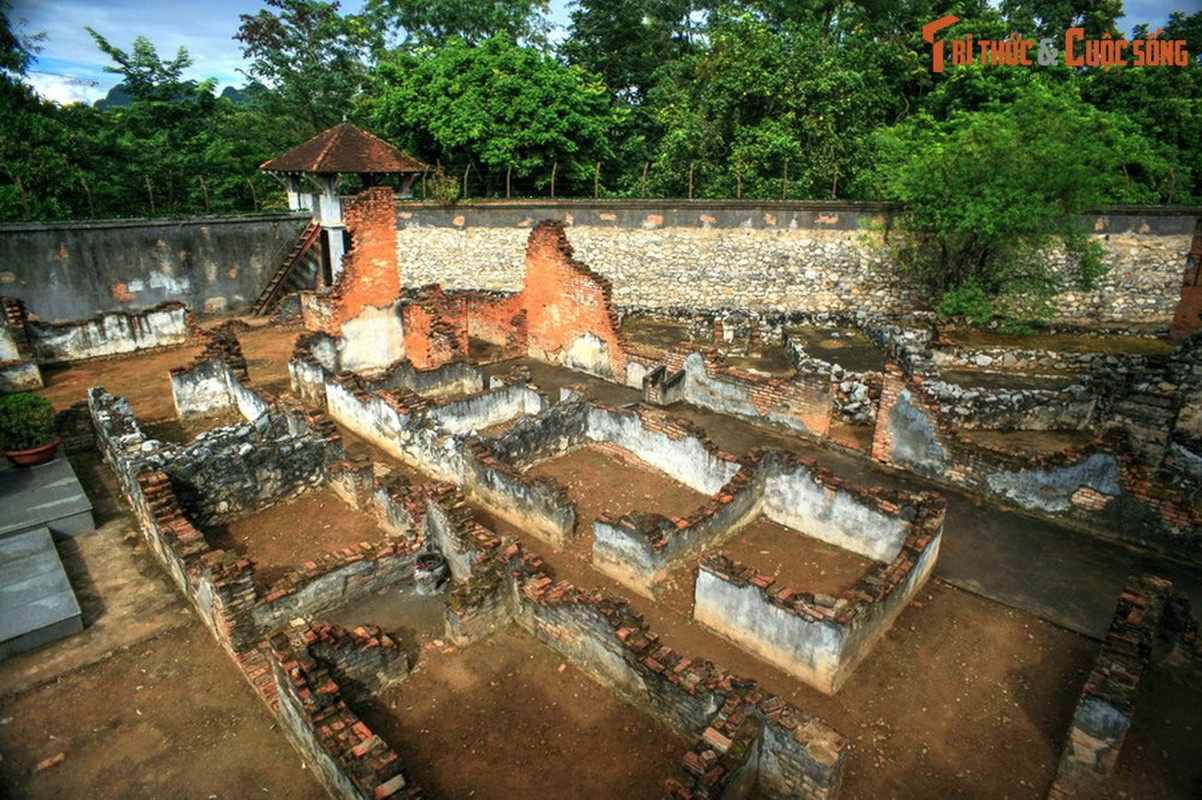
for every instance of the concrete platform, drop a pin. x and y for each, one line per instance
(45, 496)
(37, 604)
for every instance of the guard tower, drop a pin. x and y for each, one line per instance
(341, 150)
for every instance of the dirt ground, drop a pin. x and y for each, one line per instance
(508, 718)
(143, 703)
(144, 379)
(601, 481)
(796, 560)
(170, 716)
(289, 534)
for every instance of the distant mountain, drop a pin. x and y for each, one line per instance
(238, 96)
(118, 96)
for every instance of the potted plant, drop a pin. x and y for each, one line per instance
(27, 428)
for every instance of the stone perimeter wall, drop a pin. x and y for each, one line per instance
(67, 271)
(785, 256)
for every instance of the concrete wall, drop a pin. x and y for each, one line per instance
(70, 271)
(109, 334)
(810, 256)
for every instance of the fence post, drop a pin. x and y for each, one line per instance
(254, 196)
(87, 190)
(24, 198)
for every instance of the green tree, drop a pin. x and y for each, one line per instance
(993, 194)
(433, 23)
(499, 106)
(38, 178)
(314, 58)
(760, 102)
(627, 41)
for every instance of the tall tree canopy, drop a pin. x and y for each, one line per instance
(499, 106)
(992, 193)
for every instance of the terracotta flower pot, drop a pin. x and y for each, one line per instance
(34, 455)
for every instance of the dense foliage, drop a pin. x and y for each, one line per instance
(672, 98)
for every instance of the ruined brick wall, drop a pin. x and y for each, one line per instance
(499, 319)
(1107, 490)
(436, 329)
(369, 275)
(758, 255)
(352, 762)
(570, 317)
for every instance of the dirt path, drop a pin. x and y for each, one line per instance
(171, 716)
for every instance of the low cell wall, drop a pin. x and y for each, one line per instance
(486, 409)
(351, 761)
(672, 445)
(1103, 714)
(640, 550)
(746, 738)
(817, 638)
(109, 334)
(1109, 491)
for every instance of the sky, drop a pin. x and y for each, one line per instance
(69, 67)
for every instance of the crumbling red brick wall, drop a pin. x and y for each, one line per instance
(1188, 317)
(498, 320)
(369, 269)
(564, 299)
(435, 328)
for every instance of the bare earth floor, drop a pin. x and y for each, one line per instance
(796, 560)
(169, 717)
(509, 718)
(601, 480)
(289, 534)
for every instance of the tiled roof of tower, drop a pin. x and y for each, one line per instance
(344, 148)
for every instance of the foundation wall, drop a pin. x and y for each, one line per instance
(1108, 491)
(110, 334)
(803, 403)
(816, 638)
(670, 445)
(1104, 712)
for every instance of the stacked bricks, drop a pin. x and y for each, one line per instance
(436, 330)
(351, 760)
